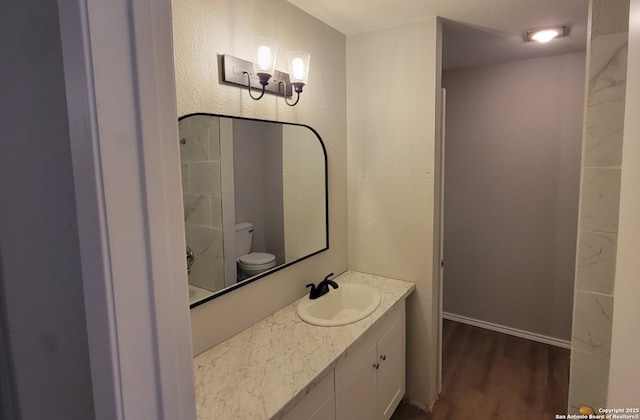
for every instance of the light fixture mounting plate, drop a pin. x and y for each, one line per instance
(233, 69)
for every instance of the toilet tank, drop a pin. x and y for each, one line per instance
(244, 236)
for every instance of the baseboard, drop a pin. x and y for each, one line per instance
(416, 404)
(508, 330)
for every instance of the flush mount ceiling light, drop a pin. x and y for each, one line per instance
(546, 34)
(240, 72)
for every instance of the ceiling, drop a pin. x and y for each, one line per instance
(475, 32)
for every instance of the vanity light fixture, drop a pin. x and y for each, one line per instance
(546, 34)
(264, 62)
(299, 72)
(240, 72)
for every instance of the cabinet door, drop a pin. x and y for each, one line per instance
(327, 411)
(391, 374)
(319, 404)
(356, 395)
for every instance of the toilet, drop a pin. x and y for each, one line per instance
(250, 263)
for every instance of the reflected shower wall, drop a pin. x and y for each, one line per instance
(201, 186)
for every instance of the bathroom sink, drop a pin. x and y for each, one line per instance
(345, 305)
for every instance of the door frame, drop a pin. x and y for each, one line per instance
(440, 279)
(121, 101)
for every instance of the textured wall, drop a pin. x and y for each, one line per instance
(599, 203)
(513, 139)
(393, 127)
(203, 29)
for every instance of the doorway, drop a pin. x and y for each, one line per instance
(511, 189)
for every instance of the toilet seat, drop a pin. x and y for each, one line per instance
(257, 261)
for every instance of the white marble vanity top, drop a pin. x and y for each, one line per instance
(266, 369)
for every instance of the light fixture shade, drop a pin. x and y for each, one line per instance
(265, 53)
(298, 66)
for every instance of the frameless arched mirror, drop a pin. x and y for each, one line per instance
(255, 199)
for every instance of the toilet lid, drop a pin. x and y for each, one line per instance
(257, 258)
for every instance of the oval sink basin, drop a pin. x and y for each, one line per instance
(345, 305)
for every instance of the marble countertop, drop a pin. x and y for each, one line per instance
(266, 369)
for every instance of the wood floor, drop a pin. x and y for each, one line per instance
(489, 375)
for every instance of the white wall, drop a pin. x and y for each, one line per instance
(513, 147)
(44, 351)
(625, 341)
(203, 29)
(392, 131)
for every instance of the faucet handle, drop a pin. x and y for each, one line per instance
(328, 282)
(315, 291)
(322, 287)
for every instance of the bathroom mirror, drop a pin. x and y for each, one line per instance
(255, 199)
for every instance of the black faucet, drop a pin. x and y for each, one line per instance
(322, 288)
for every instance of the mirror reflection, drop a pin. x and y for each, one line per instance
(255, 199)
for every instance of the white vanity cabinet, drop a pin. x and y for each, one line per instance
(360, 373)
(370, 381)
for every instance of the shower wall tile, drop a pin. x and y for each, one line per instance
(603, 135)
(214, 139)
(208, 273)
(600, 200)
(593, 315)
(608, 68)
(605, 101)
(217, 275)
(207, 270)
(596, 265)
(200, 274)
(197, 209)
(194, 144)
(216, 212)
(206, 242)
(184, 171)
(204, 178)
(589, 380)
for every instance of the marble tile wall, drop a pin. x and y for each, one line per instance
(599, 205)
(200, 163)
